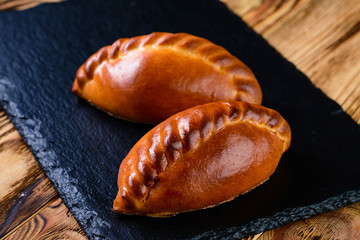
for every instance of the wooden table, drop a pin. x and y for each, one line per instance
(321, 37)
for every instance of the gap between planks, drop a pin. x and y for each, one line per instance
(25, 192)
(274, 19)
(27, 219)
(22, 4)
(320, 37)
(52, 222)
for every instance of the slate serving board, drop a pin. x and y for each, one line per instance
(80, 148)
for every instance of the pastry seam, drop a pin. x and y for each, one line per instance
(239, 118)
(225, 62)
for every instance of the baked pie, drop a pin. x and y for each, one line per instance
(150, 78)
(201, 157)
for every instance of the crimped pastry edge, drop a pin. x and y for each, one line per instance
(242, 79)
(254, 114)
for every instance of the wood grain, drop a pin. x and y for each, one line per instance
(342, 224)
(321, 37)
(21, 179)
(22, 4)
(52, 222)
(24, 189)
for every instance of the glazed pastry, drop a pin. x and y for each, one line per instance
(201, 157)
(149, 78)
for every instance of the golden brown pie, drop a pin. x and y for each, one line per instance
(149, 78)
(201, 157)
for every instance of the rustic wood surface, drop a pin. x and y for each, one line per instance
(30, 208)
(22, 4)
(321, 37)
(54, 221)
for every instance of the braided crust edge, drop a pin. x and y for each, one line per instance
(242, 77)
(185, 131)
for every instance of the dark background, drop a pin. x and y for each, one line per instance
(80, 148)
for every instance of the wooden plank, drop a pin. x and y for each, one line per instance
(319, 40)
(52, 222)
(23, 186)
(320, 37)
(22, 4)
(342, 224)
(7, 131)
(24, 189)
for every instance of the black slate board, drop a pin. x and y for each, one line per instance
(80, 148)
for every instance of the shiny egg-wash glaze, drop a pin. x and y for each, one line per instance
(149, 78)
(200, 158)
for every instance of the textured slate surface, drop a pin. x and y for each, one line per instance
(80, 148)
